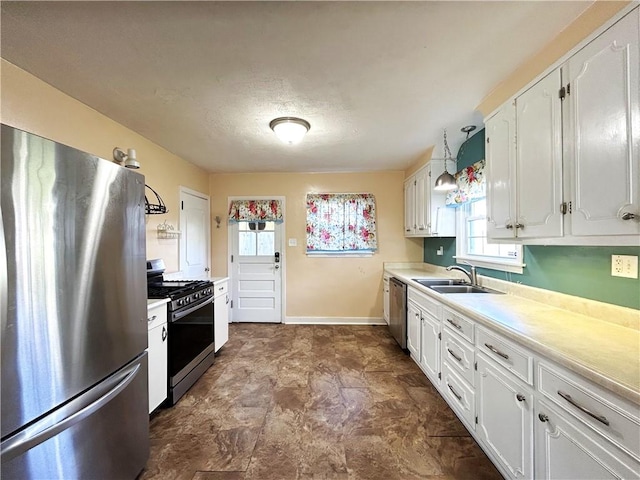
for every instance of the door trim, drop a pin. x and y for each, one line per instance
(181, 244)
(283, 253)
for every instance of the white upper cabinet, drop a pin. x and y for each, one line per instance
(425, 212)
(500, 153)
(539, 160)
(562, 158)
(410, 226)
(603, 126)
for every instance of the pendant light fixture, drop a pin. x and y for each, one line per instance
(290, 130)
(446, 181)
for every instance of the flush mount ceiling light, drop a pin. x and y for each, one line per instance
(290, 130)
(446, 181)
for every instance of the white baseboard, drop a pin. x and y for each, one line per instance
(334, 321)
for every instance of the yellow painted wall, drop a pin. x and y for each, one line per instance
(34, 106)
(595, 16)
(323, 287)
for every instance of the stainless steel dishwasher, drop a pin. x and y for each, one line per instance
(398, 311)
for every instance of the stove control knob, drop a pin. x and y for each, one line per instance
(180, 302)
(209, 291)
(196, 296)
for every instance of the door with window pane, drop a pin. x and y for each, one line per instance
(256, 271)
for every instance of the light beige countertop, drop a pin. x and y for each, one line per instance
(156, 302)
(217, 280)
(604, 352)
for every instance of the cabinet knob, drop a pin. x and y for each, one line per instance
(520, 225)
(543, 417)
(629, 216)
(164, 333)
(520, 397)
(508, 226)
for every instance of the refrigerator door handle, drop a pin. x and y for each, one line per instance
(68, 415)
(4, 281)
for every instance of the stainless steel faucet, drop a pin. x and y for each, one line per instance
(473, 275)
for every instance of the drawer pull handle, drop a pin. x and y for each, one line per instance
(164, 333)
(149, 320)
(543, 417)
(454, 355)
(600, 418)
(457, 325)
(520, 397)
(496, 351)
(457, 395)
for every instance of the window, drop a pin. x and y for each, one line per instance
(256, 238)
(341, 223)
(472, 243)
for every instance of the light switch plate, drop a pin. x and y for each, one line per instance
(624, 266)
(293, 242)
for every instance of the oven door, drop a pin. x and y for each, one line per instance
(190, 339)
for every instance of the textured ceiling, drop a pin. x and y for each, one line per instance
(378, 81)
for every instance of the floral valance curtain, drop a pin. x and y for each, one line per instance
(341, 222)
(471, 185)
(255, 211)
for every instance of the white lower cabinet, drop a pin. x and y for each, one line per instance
(385, 299)
(220, 314)
(505, 418)
(430, 347)
(568, 450)
(423, 333)
(413, 331)
(533, 418)
(157, 351)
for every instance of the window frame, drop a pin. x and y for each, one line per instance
(504, 264)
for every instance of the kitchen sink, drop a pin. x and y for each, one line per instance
(430, 282)
(462, 289)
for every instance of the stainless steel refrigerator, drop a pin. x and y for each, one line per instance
(73, 313)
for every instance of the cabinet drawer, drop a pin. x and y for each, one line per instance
(614, 419)
(459, 395)
(514, 359)
(458, 323)
(220, 288)
(156, 316)
(425, 303)
(458, 354)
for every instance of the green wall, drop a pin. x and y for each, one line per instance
(580, 271)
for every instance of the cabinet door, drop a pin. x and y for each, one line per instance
(158, 379)
(422, 211)
(603, 132)
(539, 160)
(385, 299)
(566, 449)
(505, 418)
(500, 156)
(409, 206)
(220, 320)
(430, 347)
(413, 331)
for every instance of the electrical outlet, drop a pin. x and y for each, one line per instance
(440, 251)
(624, 266)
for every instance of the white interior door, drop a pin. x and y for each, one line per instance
(196, 233)
(256, 271)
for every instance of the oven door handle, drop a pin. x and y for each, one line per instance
(179, 315)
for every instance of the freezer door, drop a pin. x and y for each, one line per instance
(74, 309)
(102, 434)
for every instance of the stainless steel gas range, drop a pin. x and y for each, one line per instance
(190, 327)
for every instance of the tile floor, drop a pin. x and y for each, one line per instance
(292, 402)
